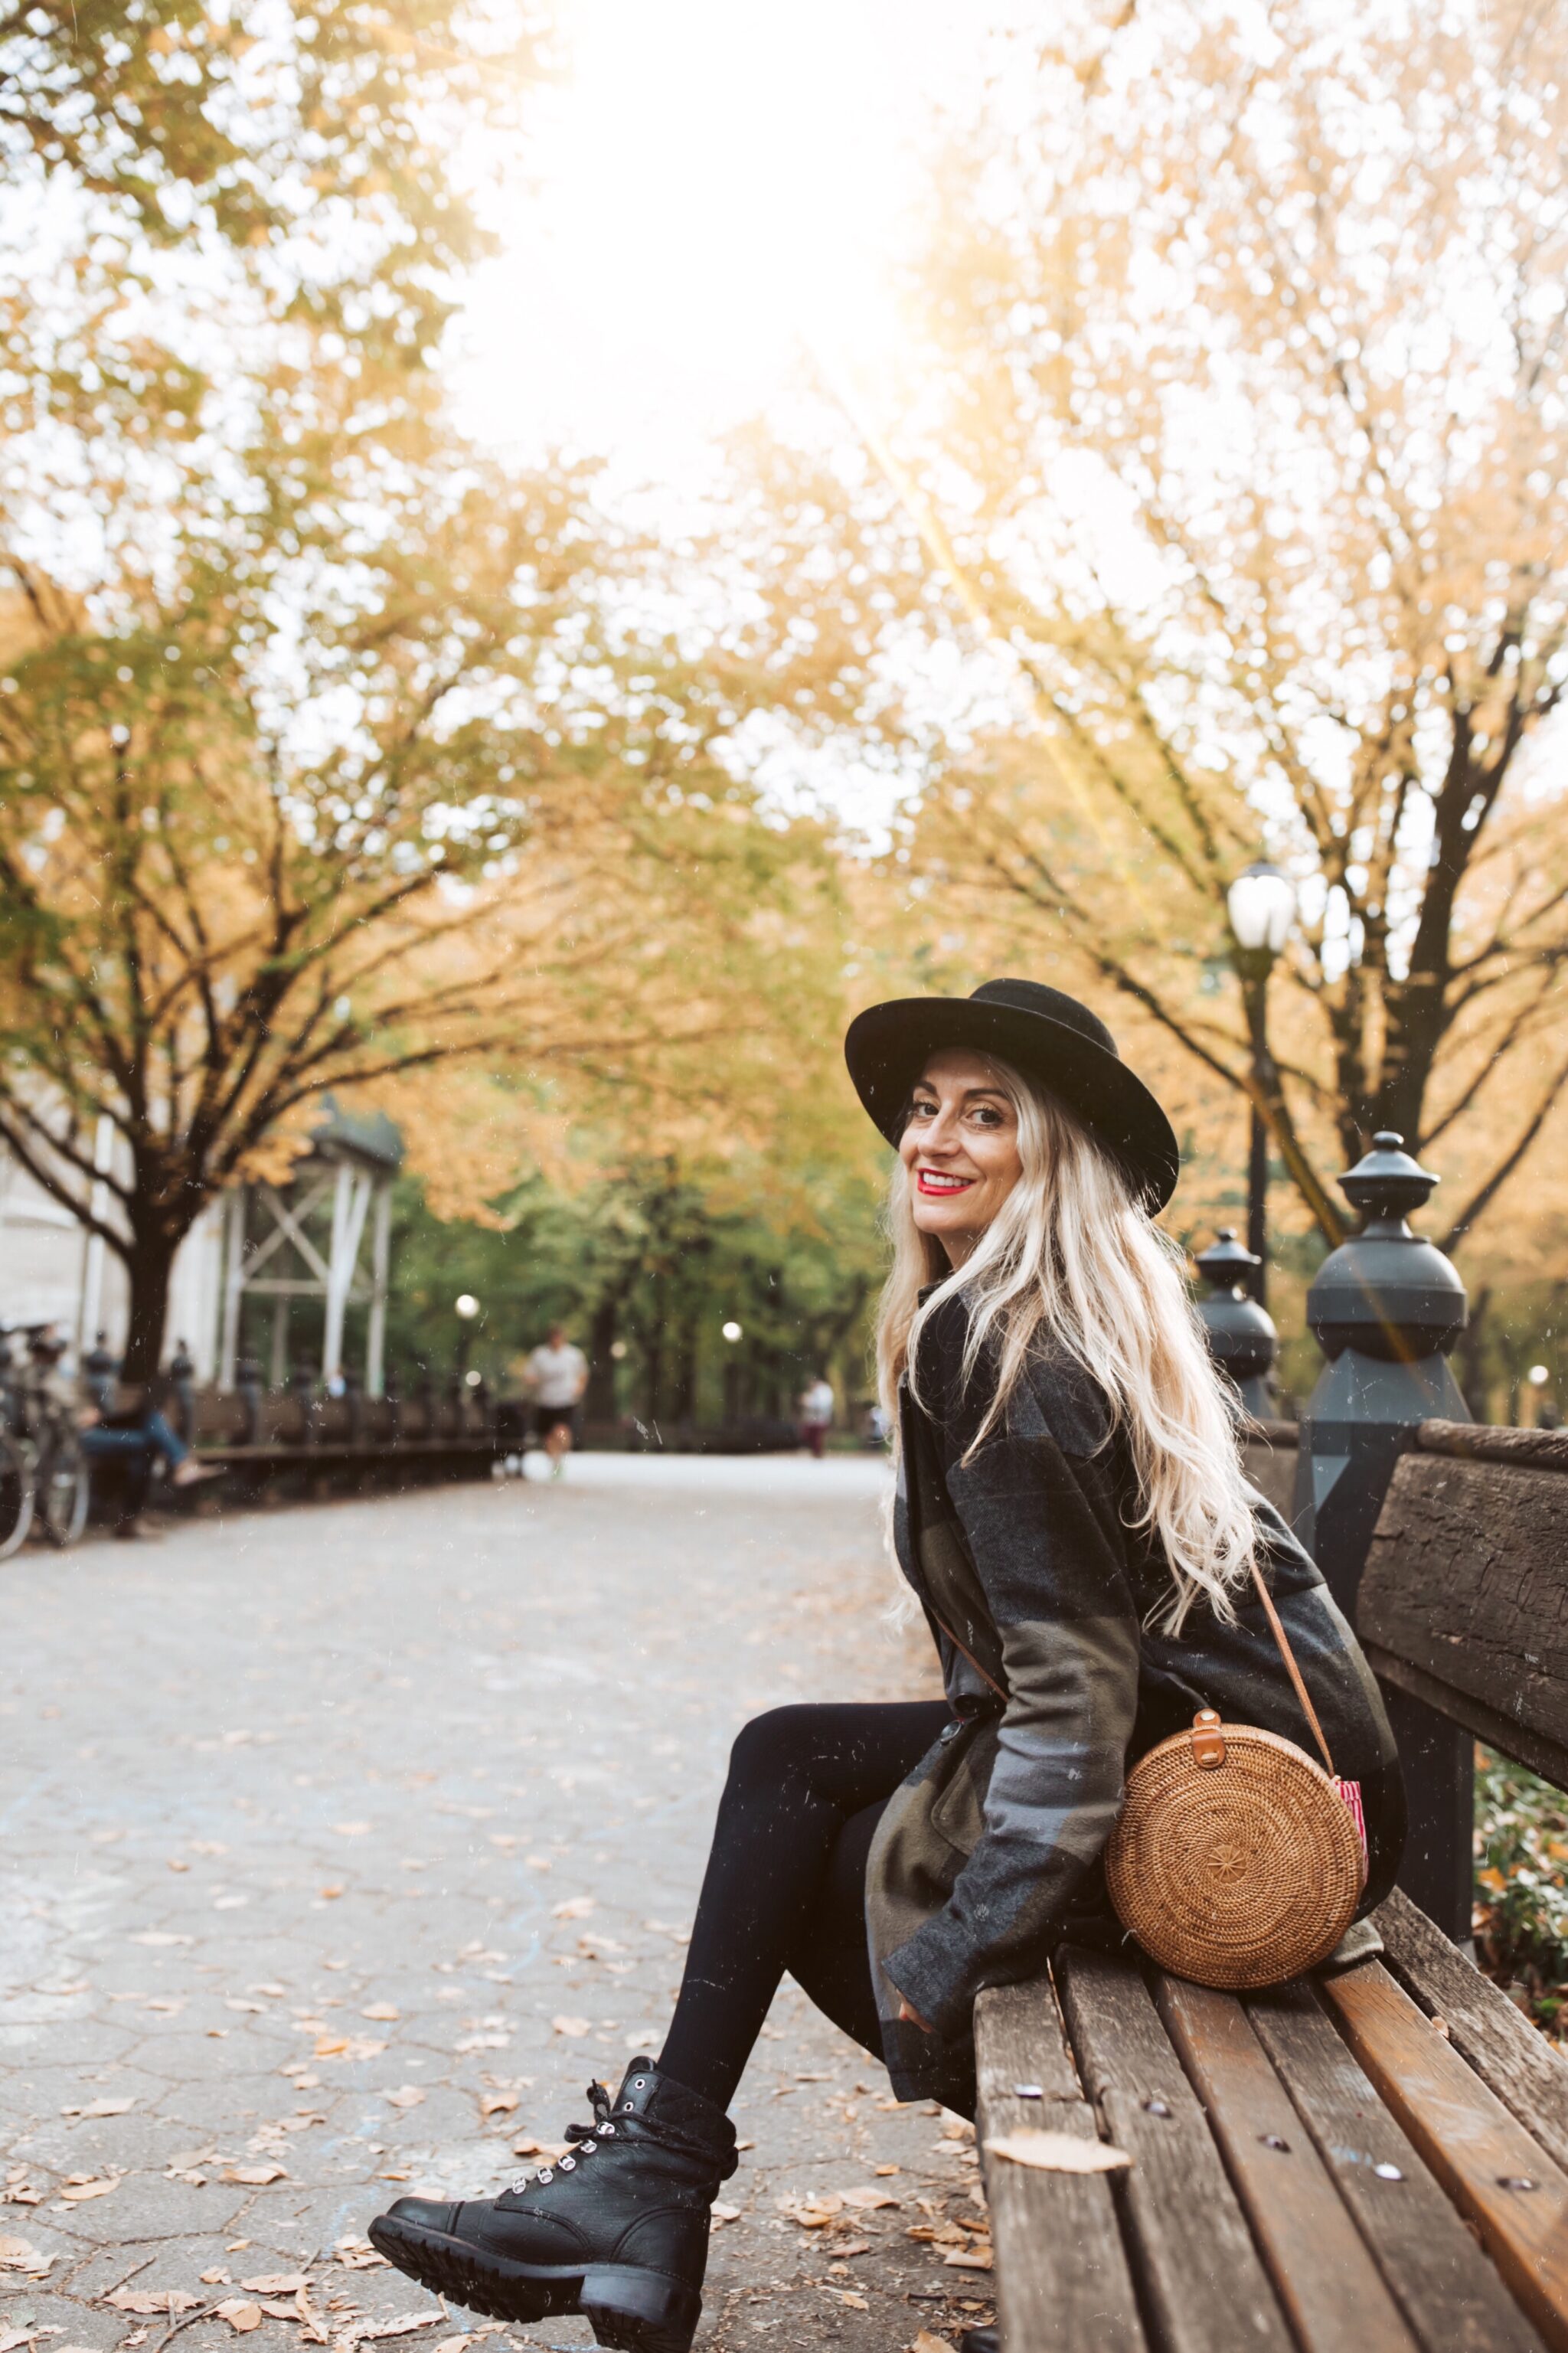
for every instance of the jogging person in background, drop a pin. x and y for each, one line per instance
(557, 1375)
(816, 1409)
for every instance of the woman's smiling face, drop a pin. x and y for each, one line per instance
(960, 1145)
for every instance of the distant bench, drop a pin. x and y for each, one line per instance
(1372, 2163)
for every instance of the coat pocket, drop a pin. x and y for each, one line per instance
(958, 1814)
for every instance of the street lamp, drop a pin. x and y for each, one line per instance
(1261, 904)
(467, 1307)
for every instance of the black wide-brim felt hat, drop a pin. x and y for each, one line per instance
(1043, 1033)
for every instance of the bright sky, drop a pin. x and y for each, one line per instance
(712, 182)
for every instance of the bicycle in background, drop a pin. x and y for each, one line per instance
(44, 1479)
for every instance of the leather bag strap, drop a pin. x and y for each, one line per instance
(1291, 1668)
(973, 1661)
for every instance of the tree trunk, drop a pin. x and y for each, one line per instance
(150, 1263)
(599, 1398)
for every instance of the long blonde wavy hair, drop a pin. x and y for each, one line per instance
(1073, 1259)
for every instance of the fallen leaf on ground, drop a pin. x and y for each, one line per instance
(220, 2278)
(1055, 2152)
(401, 2326)
(328, 1895)
(868, 2198)
(576, 1907)
(11, 2337)
(407, 2096)
(75, 2192)
(240, 2315)
(812, 2213)
(848, 2295)
(978, 2259)
(721, 2214)
(495, 2104)
(571, 2025)
(382, 2010)
(926, 2343)
(452, 2345)
(100, 2108)
(357, 2254)
(276, 2284)
(843, 2251)
(255, 2176)
(152, 2299)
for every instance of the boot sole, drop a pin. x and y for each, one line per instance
(628, 2309)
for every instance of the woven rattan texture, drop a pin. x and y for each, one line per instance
(1243, 1874)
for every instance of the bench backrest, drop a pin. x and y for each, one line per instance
(1464, 1600)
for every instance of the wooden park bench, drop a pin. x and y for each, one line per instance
(1371, 2163)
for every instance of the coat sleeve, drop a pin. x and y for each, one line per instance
(1056, 1582)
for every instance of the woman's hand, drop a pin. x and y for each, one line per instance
(912, 2015)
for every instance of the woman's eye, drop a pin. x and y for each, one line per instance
(923, 1110)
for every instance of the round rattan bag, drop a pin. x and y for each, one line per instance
(1236, 1860)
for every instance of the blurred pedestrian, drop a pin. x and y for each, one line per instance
(556, 1375)
(816, 1409)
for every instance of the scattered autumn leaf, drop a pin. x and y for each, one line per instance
(571, 2025)
(407, 2096)
(240, 2315)
(255, 2176)
(78, 2192)
(722, 2213)
(17, 2255)
(1057, 2152)
(926, 2343)
(868, 2199)
(976, 2259)
(386, 2010)
(151, 2299)
(858, 2303)
(100, 2108)
(495, 2104)
(576, 1907)
(357, 2254)
(276, 2284)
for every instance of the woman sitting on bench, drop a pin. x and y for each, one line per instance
(1073, 1520)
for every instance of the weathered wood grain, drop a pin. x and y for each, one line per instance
(1332, 2292)
(1481, 1441)
(1500, 2176)
(1507, 2054)
(1446, 2288)
(1062, 2280)
(1467, 1585)
(1203, 2280)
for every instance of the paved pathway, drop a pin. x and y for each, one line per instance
(339, 1845)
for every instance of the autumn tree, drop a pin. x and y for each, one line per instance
(332, 753)
(1232, 457)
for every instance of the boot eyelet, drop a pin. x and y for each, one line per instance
(608, 2130)
(637, 2087)
(547, 2175)
(568, 2165)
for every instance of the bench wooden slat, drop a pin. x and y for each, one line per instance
(1506, 2052)
(1446, 2288)
(1474, 2145)
(1201, 2275)
(1464, 1599)
(1062, 2280)
(1332, 2292)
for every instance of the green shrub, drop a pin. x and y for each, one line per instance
(1522, 1886)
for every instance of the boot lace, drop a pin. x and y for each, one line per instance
(585, 2138)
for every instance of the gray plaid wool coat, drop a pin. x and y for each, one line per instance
(1031, 1580)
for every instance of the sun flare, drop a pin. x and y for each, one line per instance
(710, 190)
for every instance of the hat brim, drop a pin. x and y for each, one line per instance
(887, 1046)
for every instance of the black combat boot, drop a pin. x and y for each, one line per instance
(980, 2340)
(617, 2230)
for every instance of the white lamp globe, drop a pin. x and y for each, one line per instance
(467, 1306)
(1261, 903)
(731, 1331)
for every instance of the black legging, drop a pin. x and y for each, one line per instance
(786, 1883)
